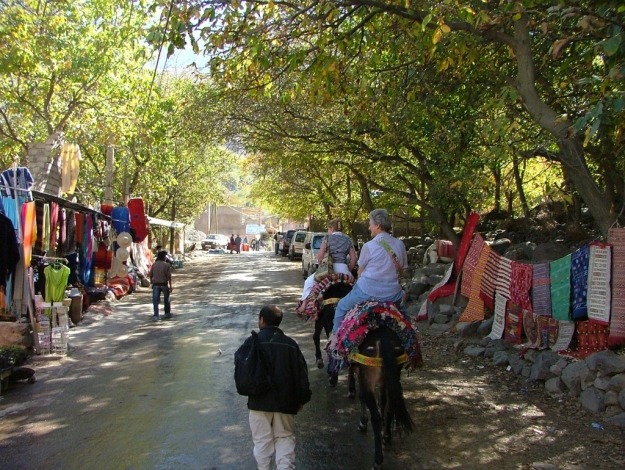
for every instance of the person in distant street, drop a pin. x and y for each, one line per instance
(160, 277)
(253, 244)
(237, 244)
(231, 246)
(272, 414)
(276, 242)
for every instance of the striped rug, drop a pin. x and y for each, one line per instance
(487, 288)
(616, 238)
(470, 262)
(504, 274)
(541, 289)
(475, 308)
(599, 294)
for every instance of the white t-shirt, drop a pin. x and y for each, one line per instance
(379, 277)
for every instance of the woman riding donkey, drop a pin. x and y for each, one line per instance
(381, 264)
(339, 246)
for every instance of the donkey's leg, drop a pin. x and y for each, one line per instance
(351, 380)
(376, 424)
(317, 341)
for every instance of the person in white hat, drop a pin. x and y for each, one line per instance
(160, 277)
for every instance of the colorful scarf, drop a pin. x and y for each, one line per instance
(560, 277)
(579, 281)
(598, 295)
(616, 237)
(541, 289)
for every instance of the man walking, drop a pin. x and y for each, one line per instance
(272, 414)
(160, 277)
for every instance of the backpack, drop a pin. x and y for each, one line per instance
(252, 368)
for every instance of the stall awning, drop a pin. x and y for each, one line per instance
(165, 223)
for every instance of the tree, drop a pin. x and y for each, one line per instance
(57, 60)
(550, 52)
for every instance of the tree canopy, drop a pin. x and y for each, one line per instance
(552, 69)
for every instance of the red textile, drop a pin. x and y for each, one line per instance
(465, 242)
(54, 220)
(119, 285)
(138, 220)
(106, 209)
(590, 337)
(445, 249)
(103, 257)
(443, 291)
(520, 284)
(80, 226)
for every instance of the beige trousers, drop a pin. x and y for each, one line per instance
(273, 433)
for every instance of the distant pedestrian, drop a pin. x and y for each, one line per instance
(160, 277)
(232, 244)
(272, 414)
(237, 244)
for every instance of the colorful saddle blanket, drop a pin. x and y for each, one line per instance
(315, 300)
(368, 316)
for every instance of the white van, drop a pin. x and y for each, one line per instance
(312, 244)
(296, 246)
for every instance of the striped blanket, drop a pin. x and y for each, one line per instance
(579, 282)
(616, 238)
(541, 289)
(599, 294)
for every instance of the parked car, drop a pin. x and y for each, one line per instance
(286, 241)
(297, 244)
(312, 244)
(215, 241)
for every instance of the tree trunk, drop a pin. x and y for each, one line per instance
(519, 186)
(571, 149)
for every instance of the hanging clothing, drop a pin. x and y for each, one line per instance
(56, 282)
(29, 230)
(138, 220)
(13, 181)
(69, 245)
(70, 166)
(54, 220)
(10, 249)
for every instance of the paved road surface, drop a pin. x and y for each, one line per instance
(140, 395)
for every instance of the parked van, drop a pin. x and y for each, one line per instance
(312, 244)
(286, 241)
(296, 246)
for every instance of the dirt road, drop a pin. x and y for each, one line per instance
(140, 395)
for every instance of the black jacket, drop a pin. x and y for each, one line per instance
(290, 388)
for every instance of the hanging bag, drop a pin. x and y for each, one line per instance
(326, 266)
(252, 368)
